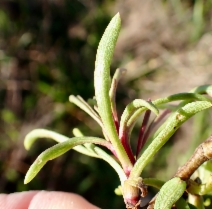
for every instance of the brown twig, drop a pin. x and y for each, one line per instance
(202, 154)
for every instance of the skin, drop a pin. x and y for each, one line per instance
(44, 200)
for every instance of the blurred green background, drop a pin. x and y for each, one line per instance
(47, 52)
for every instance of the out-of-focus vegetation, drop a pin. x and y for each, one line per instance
(47, 52)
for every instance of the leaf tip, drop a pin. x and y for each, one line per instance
(27, 145)
(117, 14)
(71, 97)
(27, 178)
(25, 181)
(117, 17)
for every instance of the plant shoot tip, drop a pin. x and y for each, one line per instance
(25, 181)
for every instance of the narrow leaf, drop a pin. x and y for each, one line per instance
(32, 136)
(170, 192)
(131, 108)
(88, 146)
(102, 85)
(58, 150)
(176, 120)
(175, 97)
(205, 89)
(86, 107)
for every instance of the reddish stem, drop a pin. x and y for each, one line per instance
(113, 151)
(141, 141)
(155, 123)
(151, 127)
(127, 147)
(145, 137)
(160, 118)
(116, 121)
(109, 145)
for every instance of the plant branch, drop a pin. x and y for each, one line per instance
(176, 120)
(202, 154)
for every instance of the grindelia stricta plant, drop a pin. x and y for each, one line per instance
(178, 192)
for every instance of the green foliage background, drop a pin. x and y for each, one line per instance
(47, 52)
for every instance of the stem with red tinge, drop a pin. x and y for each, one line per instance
(141, 141)
(127, 147)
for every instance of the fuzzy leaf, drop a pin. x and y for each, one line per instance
(170, 192)
(102, 86)
(187, 97)
(132, 107)
(32, 136)
(58, 150)
(174, 122)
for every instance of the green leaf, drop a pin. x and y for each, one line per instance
(102, 86)
(58, 150)
(187, 97)
(103, 155)
(132, 107)
(32, 136)
(174, 122)
(205, 89)
(87, 148)
(170, 192)
(81, 103)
